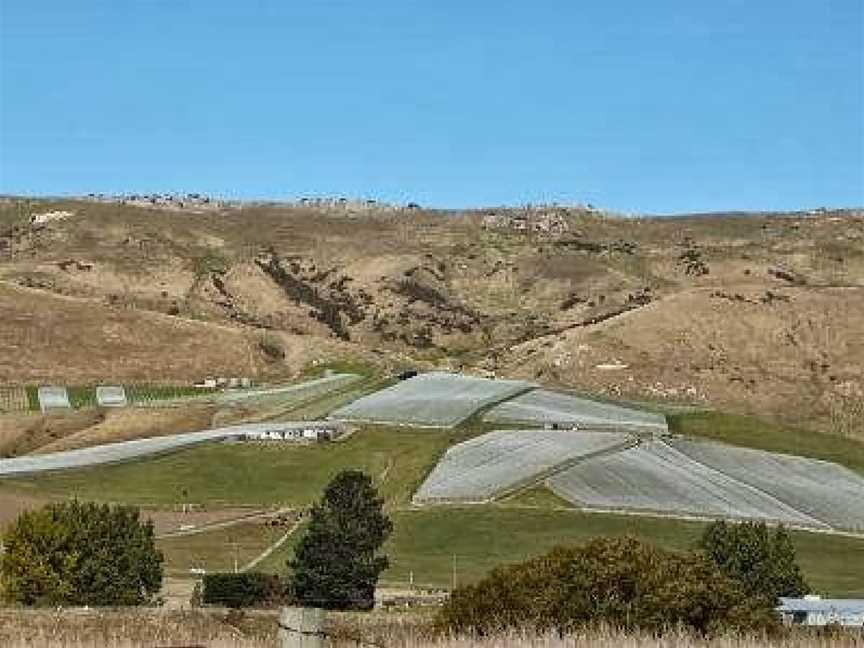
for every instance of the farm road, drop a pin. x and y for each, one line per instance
(221, 524)
(269, 550)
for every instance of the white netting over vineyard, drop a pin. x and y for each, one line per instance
(542, 406)
(482, 467)
(656, 477)
(820, 489)
(431, 400)
(128, 450)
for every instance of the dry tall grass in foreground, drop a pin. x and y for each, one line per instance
(219, 629)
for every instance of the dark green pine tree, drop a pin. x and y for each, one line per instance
(337, 563)
(762, 561)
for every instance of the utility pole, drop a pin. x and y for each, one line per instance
(236, 547)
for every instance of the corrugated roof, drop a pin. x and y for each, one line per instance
(837, 606)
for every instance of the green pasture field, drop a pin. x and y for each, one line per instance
(322, 405)
(254, 474)
(432, 543)
(756, 433)
(147, 393)
(348, 365)
(276, 563)
(427, 541)
(81, 397)
(217, 549)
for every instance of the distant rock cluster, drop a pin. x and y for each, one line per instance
(353, 204)
(540, 219)
(189, 201)
(198, 202)
(43, 218)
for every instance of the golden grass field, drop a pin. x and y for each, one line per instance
(221, 629)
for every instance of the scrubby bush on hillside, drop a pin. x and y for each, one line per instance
(618, 582)
(272, 347)
(337, 564)
(762, 560)
(243, 590)
(80, 553)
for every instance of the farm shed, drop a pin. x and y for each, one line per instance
(816, 611)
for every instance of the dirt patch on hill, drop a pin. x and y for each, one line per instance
(135, 423)
(27, 432)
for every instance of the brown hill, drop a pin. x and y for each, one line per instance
(759, 313)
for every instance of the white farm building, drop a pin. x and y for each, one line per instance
(816, 611)
(302, 431)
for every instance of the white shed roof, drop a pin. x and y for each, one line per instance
(837, 606)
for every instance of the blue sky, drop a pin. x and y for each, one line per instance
(662, 106)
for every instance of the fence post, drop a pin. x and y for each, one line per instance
(301, 628)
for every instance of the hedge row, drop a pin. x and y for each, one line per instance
(247, 589)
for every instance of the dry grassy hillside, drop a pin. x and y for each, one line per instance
(759, 313)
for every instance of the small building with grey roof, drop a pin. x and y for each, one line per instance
(816, 611)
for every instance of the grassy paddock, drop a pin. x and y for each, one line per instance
(428, 543)
(82, 396)
(148, 393)
(217, 550)
(763, 435)
(537, 497)
(321, 406)
(252, 474)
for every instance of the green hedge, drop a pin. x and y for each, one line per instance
(81, 397)
(249, 589)
(33, 398)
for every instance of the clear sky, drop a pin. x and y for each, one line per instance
(660, 106)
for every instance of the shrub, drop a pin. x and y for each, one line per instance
(239, 590)
(272, 346)
(618, 582)
(33, 398)
(81, 397)
(80, 553)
